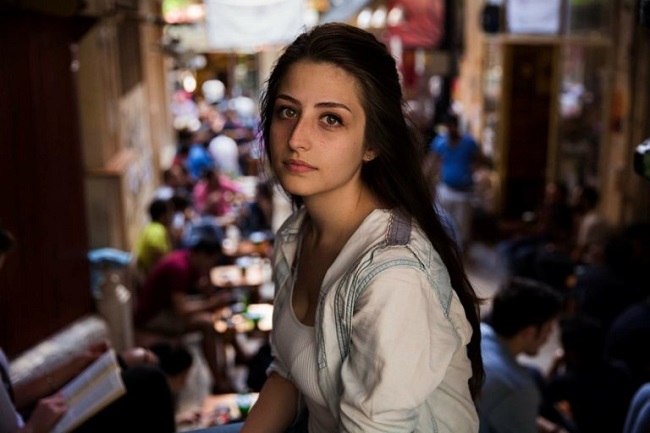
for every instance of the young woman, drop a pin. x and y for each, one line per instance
(376, 327)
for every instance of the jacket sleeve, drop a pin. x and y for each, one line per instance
(402, 342)
(10, 420)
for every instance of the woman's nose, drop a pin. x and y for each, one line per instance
(299, 135)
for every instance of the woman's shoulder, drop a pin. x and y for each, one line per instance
(394, 235)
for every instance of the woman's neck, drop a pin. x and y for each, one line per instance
(330, 225)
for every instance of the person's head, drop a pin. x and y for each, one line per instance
(180, 202)
(350, 83)
(264, 195)
(556, 192)
(204, 240)
(184, 139)
(211, 177)
(176, 176)
(451, 122)
(202, 136)
(582, 339)
(7, 243)
(587, 198)
(175, 361)
(160, 211)
(524, 311)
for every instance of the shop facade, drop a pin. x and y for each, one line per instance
(561, 103)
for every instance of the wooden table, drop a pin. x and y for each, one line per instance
(257, 320)
(235, 276)
(246, 247)
(253, 275)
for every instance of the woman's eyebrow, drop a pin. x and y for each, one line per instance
(333, 105)
(288, 98)
(319, 104)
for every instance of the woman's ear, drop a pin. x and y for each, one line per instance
(369, 155)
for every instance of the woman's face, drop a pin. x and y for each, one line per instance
(317, 131)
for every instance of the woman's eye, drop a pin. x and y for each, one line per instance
(287, 112)
(332, 120)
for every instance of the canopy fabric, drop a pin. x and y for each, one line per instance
(250, 24)
(423, 24)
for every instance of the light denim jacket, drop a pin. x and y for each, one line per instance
(391, 332)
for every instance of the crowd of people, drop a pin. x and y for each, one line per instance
(199, 206)
(567, 267)
(595, 274)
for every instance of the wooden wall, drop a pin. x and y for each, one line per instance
(44, 284)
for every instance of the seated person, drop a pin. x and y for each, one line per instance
(257, 215)
(178, 297)
(154, 241)
(593, 230)
(183, 216)
(522, 317)
(604, 290)
(175, 181)
(597, 389)
(623, 341)
(199, 159)
(223, 148)
(175, 360)
(214, 194)
(35, 405)
(550, 233)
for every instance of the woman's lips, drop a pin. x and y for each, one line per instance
(297, 166)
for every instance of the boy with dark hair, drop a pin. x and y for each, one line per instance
(522, 318)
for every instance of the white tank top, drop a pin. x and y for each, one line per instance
(295, 344)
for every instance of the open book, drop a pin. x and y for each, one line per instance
(96, 387)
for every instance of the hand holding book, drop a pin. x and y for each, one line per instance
(97, 386)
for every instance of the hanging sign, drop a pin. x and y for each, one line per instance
(534, 16)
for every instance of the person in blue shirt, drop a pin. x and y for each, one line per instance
(199, 159)
(638, 416)
(521, 320)
(456, 155)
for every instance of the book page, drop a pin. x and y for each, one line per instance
(96, 387)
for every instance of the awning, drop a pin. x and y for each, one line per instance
(423, 24)
(250, 24)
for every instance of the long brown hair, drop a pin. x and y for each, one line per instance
(395, 174)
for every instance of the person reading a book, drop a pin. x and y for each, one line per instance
(36, 405)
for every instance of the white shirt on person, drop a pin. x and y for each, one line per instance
(390, 332)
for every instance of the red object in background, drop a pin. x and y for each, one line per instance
(409, 76)
(423, 23)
